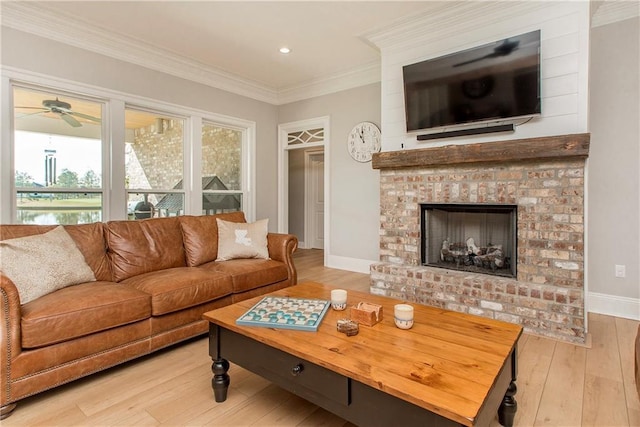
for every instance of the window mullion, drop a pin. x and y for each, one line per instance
(114, 162)
(193, 167)
(7, 207)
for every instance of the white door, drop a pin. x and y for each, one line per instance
(314, 230)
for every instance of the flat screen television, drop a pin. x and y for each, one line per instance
(492, 82)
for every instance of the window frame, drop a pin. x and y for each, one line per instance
(243, 147)
(113, 133)
(14, 192)
(185, 146)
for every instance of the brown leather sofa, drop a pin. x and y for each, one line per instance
(155, 279)
(637, 361)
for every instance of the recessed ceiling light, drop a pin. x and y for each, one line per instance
(285, 50)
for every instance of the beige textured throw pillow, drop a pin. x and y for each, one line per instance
(43, 263)
(242, 239)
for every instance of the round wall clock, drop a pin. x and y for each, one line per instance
(364, 140)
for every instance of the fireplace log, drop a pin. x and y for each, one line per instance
(493, 259)
(471, 246)
(488, 257)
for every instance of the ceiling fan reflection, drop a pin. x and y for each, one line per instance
(62, 109)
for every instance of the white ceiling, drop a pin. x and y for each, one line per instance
(233, 45)
(231, 38)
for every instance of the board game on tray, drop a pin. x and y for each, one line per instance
(303, 314)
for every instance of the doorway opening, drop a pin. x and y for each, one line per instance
(303, 182)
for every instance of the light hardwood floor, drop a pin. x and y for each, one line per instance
(559, 384)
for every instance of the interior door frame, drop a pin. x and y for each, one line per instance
(283, 172)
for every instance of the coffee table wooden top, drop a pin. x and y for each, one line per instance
(447, 363)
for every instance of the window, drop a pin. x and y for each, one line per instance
(154, 164)
(76, 158)
(57, 157)
(221, 169)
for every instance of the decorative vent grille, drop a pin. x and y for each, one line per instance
(305, 136)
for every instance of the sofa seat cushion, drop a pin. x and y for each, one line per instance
(81, 310)
(250, 274)
(174, 289)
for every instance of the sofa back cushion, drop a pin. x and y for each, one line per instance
(200, 235)
(89, 239)
(142, 246)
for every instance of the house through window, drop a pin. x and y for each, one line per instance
(221, 169)
(154, 159)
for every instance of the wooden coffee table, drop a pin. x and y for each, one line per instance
(449, 369)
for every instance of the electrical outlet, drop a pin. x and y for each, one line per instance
(621, 271)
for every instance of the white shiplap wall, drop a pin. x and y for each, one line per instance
(460, 25)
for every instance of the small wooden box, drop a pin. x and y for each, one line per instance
(366, 313)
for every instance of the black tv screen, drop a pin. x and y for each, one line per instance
(499, 80)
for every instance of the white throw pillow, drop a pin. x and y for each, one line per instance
(242, 239)
(43, 263)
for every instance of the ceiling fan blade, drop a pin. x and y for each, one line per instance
(471, 61)
(85, 116)
(69, 119)
(31, 114)
(487, 56)
(32, 108)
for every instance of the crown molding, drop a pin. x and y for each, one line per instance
(44, 22)
(337, 82)
(611, 11)
(450, 18)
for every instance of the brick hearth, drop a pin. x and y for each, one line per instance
(547, 297)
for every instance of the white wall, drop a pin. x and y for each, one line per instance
(564, 62)
(614, 164)
(39, 55)
(355, 194)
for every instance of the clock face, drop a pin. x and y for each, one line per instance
(364, 140)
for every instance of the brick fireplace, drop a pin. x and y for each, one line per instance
(543, 177)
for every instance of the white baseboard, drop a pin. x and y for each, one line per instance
(349, 264)
(612, 305)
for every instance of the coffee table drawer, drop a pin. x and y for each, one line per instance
(301, 377)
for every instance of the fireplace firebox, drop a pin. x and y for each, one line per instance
(478, 238)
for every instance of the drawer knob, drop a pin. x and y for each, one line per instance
(297, 370)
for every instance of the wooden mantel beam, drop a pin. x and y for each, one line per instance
(543, 148)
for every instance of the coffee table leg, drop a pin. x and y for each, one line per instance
(509, 406)
(220, 381)
(219, 367)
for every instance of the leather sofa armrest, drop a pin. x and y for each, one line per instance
(281, 248)
(10, 338)
(637, 361)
